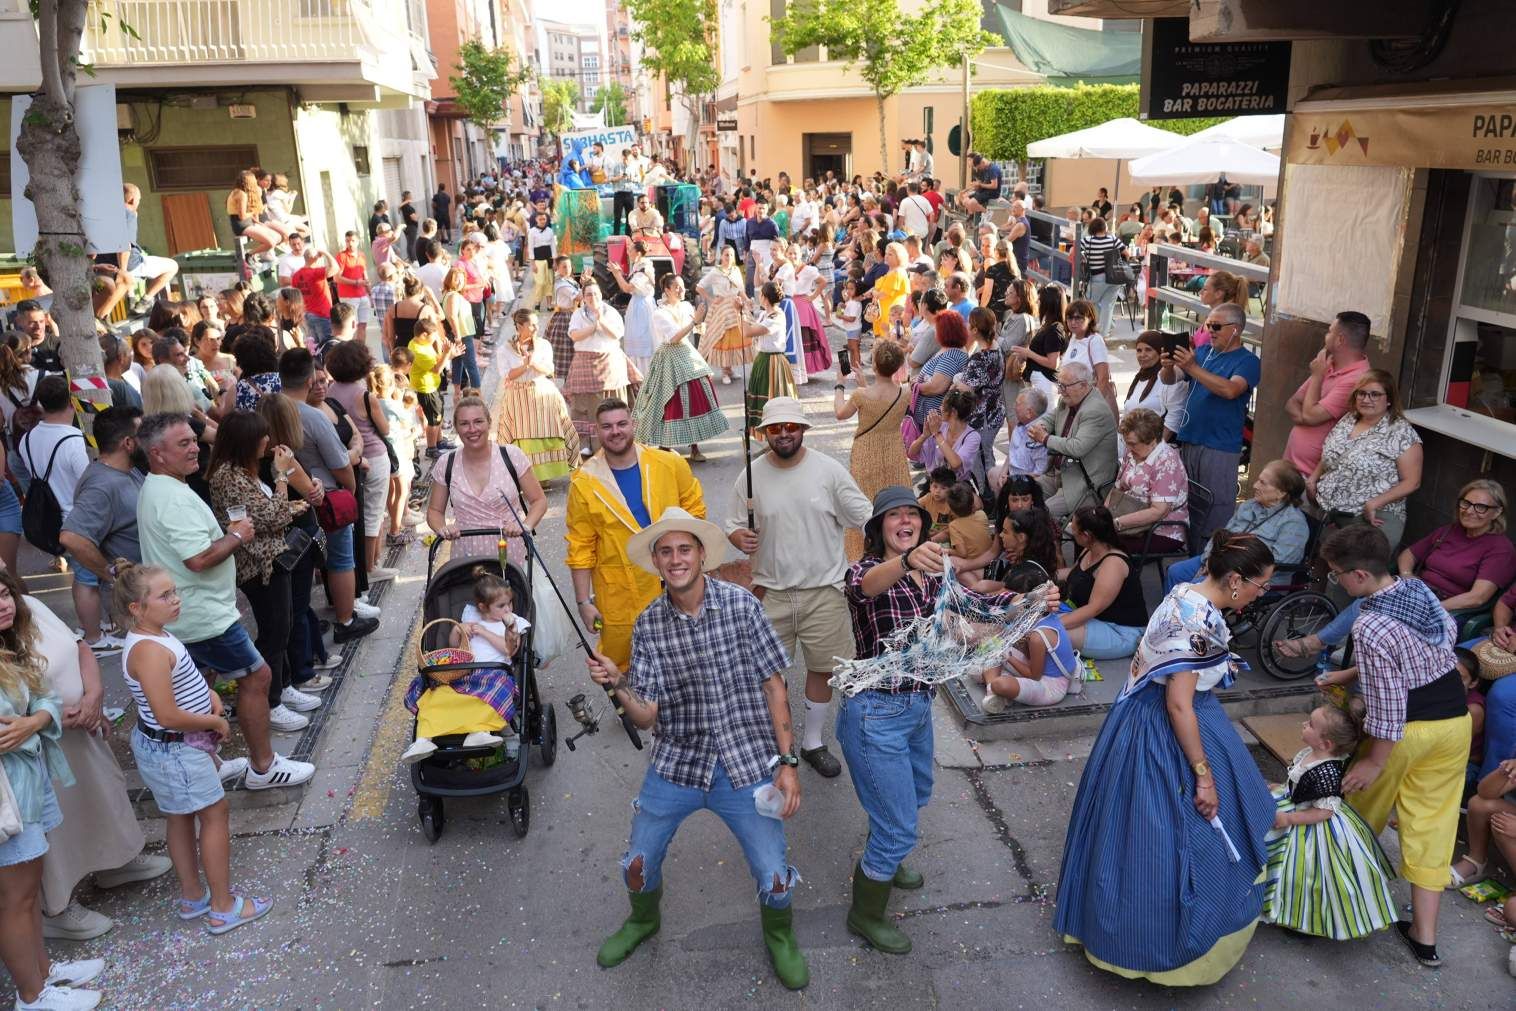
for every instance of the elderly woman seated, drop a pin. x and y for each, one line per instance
(1080, 436)
(1273, 514)
(481, 704)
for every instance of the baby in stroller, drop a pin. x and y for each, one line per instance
(481, 703)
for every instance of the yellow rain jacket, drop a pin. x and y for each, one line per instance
(599, 525)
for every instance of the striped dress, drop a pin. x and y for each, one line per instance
(1330, 879)
(1148, 886)
(533, 416)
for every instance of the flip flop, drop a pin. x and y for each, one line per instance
(191, 909)
(239, 914)
(1495, 916)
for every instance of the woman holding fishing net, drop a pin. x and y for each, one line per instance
(914, 629)
(1162, 865)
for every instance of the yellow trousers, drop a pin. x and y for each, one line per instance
(441, 711)
(542, 282)
(1423, 782)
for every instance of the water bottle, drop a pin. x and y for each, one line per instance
(768, 800)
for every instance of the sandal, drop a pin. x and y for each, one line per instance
(1456, 880)
(240, 913)
(193, 909)
(1494, 915)
(1296, 649)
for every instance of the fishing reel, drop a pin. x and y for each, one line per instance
(584, 715)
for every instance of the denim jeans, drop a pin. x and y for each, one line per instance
(661, 808)
(1338, 628)
(1187, 571)
(466, 366)
(887, 740)
(1104, 297)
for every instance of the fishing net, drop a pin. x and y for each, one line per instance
(962, 635)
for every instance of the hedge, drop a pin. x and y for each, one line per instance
(1005, 121)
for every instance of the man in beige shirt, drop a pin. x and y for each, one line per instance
(803, 500)
(645, 221)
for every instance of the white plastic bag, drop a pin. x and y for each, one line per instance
(554, 634)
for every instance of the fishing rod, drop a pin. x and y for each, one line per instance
(531, 546)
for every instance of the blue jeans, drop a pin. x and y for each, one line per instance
(1187, 571)
(887, 740)
(661, 808)
(1338, 628)
(1499, 724)
(466, 366)
(1106, 641)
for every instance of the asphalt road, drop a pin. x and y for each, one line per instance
(371, 915)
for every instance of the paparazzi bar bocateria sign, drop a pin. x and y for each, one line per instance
(1181, 78)
(1477, 137)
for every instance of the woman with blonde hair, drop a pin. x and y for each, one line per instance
(534, 417)
(891, 289)
(244, 208)
(724, 345)
(458, 320)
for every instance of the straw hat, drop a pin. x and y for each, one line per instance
(639, 548)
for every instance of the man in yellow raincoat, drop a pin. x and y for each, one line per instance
(616, 493)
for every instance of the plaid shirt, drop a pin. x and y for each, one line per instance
(382, 295)
(874, 618)
(1392, 660)
(705, 673)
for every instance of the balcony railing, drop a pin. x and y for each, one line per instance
(257, 31)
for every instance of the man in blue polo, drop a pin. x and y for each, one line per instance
(1221, 376)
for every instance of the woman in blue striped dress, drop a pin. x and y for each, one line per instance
(1163, 864)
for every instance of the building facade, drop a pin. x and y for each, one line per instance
(571, 52)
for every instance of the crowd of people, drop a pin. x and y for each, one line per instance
(256, 441)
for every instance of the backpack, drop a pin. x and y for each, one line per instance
(23, 419)
(42, 515)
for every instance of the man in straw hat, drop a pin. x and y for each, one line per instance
(708, 671)
(611, 497)
(803, 500)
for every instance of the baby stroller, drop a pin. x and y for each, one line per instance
(454, 770)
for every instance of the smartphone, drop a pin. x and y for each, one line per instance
(845, 362)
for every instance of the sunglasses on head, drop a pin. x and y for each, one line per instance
(784, 428)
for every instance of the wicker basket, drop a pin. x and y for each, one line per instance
(444, 657)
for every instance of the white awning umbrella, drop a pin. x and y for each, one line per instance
(1120, 139)
(1259, 131)
(1201, 161)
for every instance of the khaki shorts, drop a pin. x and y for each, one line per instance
(817, 619)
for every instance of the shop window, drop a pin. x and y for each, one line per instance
(1479, 373)
(198, 168)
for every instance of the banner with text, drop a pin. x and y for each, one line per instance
(1183, 78)
(1471, 137)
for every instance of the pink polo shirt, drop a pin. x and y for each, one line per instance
(1303, 450)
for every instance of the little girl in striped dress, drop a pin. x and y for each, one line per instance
(1326, 874)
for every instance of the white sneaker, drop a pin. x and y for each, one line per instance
(283, 720)
(480, 739)
(232, 769)
(420, 748)
(142, 867)
(60, 998)
(364, 609)
(382, 574)
(332, 662)
(298, 701)
(76, 923)
(107, 643)
(281, 772)
(75, 973)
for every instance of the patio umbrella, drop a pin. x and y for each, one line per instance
(1200, 161)
(1266, 132)
(1120, 139)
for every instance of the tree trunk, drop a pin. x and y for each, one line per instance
(49, 142)
(693, 101)
(884, 148)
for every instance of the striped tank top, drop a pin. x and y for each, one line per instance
(191, 691)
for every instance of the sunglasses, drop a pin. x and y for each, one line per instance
(1218, 327)
(784, 428)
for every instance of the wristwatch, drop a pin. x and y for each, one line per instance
(790, 759)
(1202, 767)
(587, 600)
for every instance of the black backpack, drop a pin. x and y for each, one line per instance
(42, 515)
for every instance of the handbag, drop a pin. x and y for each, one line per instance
(296, 543)
(1125, 504)
(1117, 269)
(1494, 662)
(910, 428)
(10, 811)
(338, 508)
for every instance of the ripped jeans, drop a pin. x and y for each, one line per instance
(662, 806)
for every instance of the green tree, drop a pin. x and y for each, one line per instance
(678, 39)
(611, 100)
(485, 81)
(891, 50)
(559, 98)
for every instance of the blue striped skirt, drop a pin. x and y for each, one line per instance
(1147, 885)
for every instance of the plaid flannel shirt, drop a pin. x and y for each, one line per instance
(382, 296)
(1392, 660)
(705, 673)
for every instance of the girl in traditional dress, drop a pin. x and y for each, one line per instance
(1327, 875)
(808, 285)
(1162, 864)
(771, 375)
(637, 282)
(558, 337)
(725, 345)
(601, 370)
(677, 403)
(533, 414)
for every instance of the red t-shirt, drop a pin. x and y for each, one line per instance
(747, 207)
(351, 265)
(935, 199)
(312, 284)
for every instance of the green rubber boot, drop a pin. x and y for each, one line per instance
(641, 925)
(868, 917)
(784, 950)
(908, 878)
